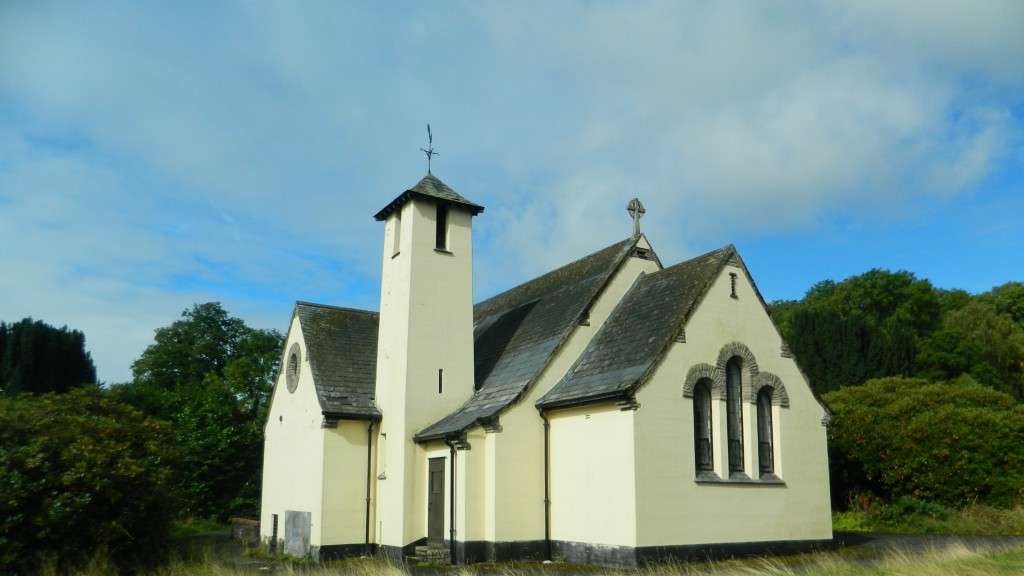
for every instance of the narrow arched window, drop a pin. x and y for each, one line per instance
(734, 413)
(765, 450)
(702, 426)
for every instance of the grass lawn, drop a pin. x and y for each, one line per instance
(954, 559)
(193, 526)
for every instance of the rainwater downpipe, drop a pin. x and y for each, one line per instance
(451, 506)
(369, 459)
(547, 487)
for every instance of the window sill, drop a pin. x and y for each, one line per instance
(744, 480)
(443, 251)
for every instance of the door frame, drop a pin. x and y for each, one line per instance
(435, 499)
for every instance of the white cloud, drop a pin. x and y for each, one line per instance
(244, 147)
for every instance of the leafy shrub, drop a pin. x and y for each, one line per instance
(910, 516)
(978, 341)
(950, 443)
(81, 474)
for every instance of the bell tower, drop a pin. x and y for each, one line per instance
(425, 340)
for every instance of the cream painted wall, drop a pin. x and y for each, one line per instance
(344, 484)
(517, 452)
(426, 299)
(672, 508)
(471, 512)
(293, 449)
(593, 487)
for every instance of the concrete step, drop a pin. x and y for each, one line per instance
(431, 554)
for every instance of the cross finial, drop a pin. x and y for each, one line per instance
(636, 211)
(429, 150)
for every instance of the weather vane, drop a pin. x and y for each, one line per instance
(429, 150)
(636, 211)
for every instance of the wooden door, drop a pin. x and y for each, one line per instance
(435, 502)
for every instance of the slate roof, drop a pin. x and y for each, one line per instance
(429, 187)
(517, 332)
(638, 331)
(341, 345)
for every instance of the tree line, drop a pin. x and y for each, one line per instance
(926, 387)
(87, 469)
(36, 358)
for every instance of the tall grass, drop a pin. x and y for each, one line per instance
(950, 560)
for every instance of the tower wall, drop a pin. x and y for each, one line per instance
(426, 325)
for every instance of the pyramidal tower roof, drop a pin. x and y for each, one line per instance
(429, 187)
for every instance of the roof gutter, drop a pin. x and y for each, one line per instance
(335, 416)
(622, 395)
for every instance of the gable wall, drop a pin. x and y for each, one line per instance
(516, 465)
(672, 509)
(293, 448)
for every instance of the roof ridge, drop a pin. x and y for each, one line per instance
(332, 307)
(553, 271)
(723, 249)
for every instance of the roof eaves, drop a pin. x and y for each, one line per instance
(404, 197)
(373, 415)
(583, 400)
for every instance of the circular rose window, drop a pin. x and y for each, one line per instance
(292, 368)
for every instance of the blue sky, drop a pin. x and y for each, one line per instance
(155, 155)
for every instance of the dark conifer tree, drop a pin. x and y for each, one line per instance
(36, 357)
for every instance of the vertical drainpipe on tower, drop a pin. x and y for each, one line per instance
(369, 453)
(547, 495)
(451, 506)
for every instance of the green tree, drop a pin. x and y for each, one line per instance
(82, 473)
(1007, 299)
(947, 442)
(38, 358)
(864, 327)
(976, 340)
(211, 376)
(950, 300)
(182, 354)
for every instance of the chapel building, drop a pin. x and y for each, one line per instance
(611, 411)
